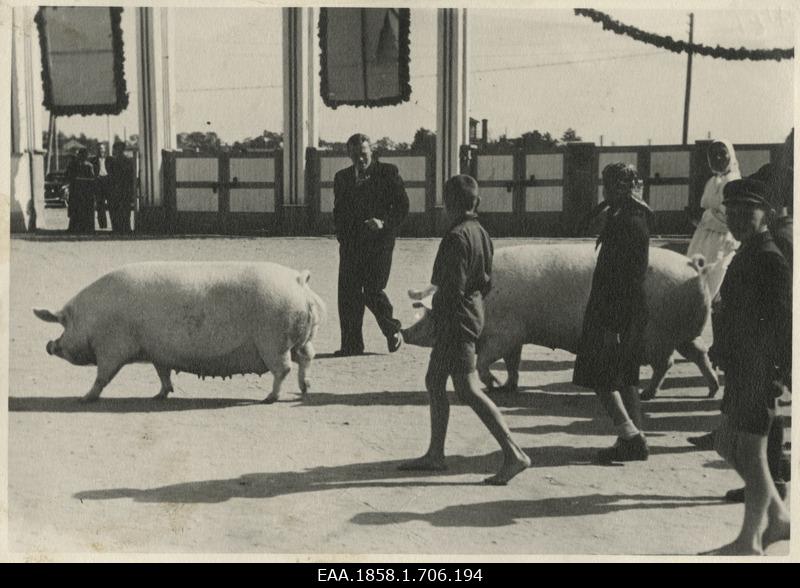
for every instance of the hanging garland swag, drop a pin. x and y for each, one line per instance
(682, 46)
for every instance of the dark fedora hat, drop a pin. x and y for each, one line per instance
(747, 192)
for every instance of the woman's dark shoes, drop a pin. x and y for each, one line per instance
(347, 352)
(737, 495)
(633, 449)
(703, 442)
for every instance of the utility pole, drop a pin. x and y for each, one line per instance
(688, 81)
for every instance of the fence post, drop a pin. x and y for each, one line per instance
(312, 189)
(580, 185)
(699, 172)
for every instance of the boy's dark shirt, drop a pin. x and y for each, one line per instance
(754, 333)
(462, 273)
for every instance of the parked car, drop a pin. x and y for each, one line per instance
(56, 190)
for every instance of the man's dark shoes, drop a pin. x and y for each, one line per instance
(703, 442)
(737, 495)
(394, 341)
(348, 352)
(633, 449)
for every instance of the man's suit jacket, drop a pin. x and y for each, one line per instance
(382, 196)
(121, 175)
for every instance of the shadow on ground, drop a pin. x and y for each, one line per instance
(502, 513)
(122, 405)
(529, 365)
(379, 474)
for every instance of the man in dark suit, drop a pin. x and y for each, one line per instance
(120, 196)
(370, 203)
(102, 185)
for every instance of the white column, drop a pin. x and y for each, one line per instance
(156, 101)
(27, 164)
(452, 113)
(312, 50)
(299, 101)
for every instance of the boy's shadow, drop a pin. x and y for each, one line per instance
(502, 513)
(379, 474)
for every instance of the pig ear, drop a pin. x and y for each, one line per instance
(47, 316)
(304, 277)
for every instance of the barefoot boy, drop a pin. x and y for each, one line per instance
(462, 277)
(754, 350)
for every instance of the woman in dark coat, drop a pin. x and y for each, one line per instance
(609, 354)
(80, 208)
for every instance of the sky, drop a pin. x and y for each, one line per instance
(547, 70)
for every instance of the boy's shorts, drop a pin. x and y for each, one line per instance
(748, 402)
(452, 357)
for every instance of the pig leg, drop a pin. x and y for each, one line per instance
(302, 356)
(660, 368)
(280, 367)
(166, 382)
(107, 368)
(492, 349)
(695, 352)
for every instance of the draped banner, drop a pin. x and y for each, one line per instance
(728, 53)
(364, 56)
(82, 60)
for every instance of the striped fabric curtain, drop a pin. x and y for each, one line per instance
(364, 56)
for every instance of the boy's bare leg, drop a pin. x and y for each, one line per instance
(433, 460)
(778, 521)
(748, 454)
(778, 517)
(514, 459)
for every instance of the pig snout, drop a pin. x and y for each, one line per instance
(53, 348)
(420, 333)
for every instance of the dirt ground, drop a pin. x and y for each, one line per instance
(212, 470)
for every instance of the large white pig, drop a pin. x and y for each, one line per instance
(539, 295)
(209, 319)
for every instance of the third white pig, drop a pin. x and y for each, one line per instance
(539, 295)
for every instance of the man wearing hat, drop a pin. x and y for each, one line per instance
(752, 345)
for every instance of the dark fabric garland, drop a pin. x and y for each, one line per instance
(119, 72)
(682, 46)
(404, 55)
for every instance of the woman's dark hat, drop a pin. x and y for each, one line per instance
(747, 192)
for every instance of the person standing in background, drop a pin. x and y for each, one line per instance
(102, 185)
(120, 194)
(81, 180)
(712, 238)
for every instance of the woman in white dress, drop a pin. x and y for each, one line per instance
(712, 238)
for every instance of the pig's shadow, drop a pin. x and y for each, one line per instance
(378, 474)
(122, 405)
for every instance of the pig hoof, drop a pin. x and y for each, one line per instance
(270, 399)
(88, 398)
(305, 387)
(161, 395)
